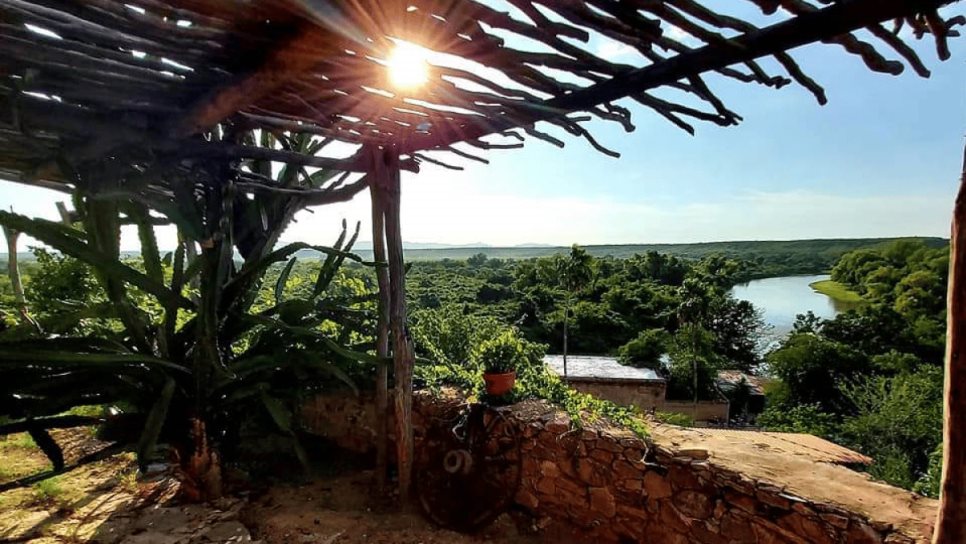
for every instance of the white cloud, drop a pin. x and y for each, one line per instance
(679, 34)
(610, 49)
(676, 33)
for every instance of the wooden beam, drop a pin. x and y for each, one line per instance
(840, 18)
(302, 52)
(951, 522)
(234, 151)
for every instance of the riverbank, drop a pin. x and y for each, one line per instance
(837, 291)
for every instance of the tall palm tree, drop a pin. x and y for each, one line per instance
(576, 271)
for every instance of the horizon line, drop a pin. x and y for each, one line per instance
(538, 245)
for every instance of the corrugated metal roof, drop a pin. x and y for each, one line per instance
(731, 378)
(597, 367)
(811, 446)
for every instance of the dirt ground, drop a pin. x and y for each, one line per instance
(69, 507)
(105, 502)
(338, 510)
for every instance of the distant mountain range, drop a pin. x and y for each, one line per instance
(828, 249)
(433, 245)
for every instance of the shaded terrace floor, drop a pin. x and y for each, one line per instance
(102, 502)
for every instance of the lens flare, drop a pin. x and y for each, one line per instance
(407, 67)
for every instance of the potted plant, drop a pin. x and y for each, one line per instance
(500, 358)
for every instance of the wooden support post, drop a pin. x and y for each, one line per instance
(16, 282)
(385, 182)
(951, 521)
(566, 319)
(382, 327)
(13, 270)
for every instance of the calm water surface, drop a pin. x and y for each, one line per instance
(781, 299)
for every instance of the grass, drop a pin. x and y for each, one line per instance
(836, 290)
(19, 457)
(19, 440)
(674, 418)
(48, 491)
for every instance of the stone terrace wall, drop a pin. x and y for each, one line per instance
(605, 485)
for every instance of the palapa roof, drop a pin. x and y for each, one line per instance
(84, 80)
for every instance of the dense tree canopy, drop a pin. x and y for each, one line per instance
(631, 307)
(872, 378)
(869, 379)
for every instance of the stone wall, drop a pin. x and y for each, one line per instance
(604, 485)
(644, 395)
(595, 485)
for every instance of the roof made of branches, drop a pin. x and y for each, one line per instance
(80, 79)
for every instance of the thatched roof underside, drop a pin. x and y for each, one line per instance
(81, 80)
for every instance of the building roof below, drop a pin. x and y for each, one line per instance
(732, 378)
(599, 368)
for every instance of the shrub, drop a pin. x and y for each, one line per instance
(929, 483)
(803, 418)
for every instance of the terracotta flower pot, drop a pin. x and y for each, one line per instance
(499, 384)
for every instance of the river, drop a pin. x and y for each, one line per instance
(781, 299)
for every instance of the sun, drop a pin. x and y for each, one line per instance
(407, 67)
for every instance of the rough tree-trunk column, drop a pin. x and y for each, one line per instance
(386, 179)
(951, 523)
(13, 269)
(382, 330)
(566, 318)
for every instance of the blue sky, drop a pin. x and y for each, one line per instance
(881, 159)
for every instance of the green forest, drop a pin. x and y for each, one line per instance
(870, 379)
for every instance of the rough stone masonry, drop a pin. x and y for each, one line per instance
(603, 484)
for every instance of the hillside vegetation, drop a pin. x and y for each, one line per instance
(806, 255)
(872, 378)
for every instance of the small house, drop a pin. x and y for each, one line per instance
(605, 378)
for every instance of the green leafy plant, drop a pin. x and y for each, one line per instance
(929, 483)
(188, 348)
(502, 354)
